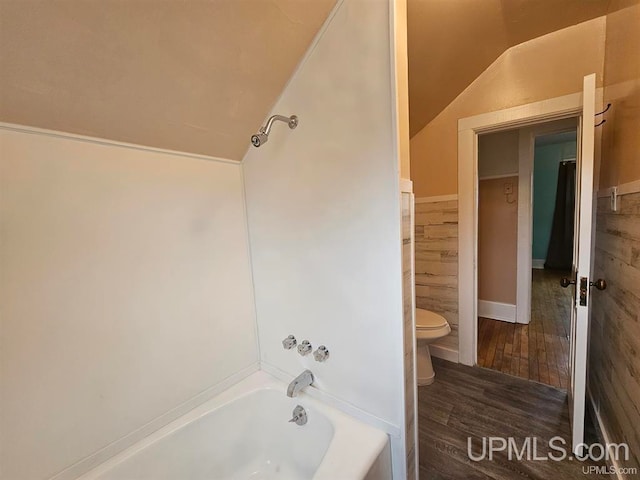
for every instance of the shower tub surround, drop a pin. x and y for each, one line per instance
(245, 432)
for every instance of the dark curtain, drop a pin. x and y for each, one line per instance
(560, 251)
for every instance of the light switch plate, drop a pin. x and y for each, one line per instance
(614, 199)
(508, 188)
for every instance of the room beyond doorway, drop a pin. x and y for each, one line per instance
(534, 346)
(538, 351)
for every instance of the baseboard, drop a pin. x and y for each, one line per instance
(617, 468)
(538, 263)
(505, 312)
(445, 353)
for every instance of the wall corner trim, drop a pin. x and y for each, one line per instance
(497, 177)
(105, 141)
(406, 185)
(437, 198)
(622, 189)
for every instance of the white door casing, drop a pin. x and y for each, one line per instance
(468, 130)
(577, 104)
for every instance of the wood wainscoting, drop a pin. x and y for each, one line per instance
(436, 264)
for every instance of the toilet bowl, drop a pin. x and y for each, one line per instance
(429, 327)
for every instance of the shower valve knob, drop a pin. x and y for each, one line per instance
(321, 354)
(304, 348)
(289, 342)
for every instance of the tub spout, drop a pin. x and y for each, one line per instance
(301, 381)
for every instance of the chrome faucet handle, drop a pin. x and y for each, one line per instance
(304, 348)
(321, 354)
(289, 342)
(299, 416)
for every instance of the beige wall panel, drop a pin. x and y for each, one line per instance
(451, 42)
(497, 241)
(402, 85)
(547, 67)
(621, 137)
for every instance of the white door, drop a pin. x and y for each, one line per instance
(582, 252)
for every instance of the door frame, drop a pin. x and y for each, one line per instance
(468, 130)
(526, 153)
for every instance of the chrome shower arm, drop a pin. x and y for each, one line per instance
(292, 121)
(262, 136)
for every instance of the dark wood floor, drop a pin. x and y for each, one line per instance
(476, 402)
(538, 351)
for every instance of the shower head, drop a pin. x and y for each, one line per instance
(259, 139)
(262, 136)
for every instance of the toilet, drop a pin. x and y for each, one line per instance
(429, 327)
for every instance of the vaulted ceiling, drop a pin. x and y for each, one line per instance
(191, 75)
(201, 75)
(451, 42)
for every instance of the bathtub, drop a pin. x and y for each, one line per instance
(245, 433)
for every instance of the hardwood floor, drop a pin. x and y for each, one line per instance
(475, 402)
(538, 351)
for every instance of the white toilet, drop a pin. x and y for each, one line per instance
(429, 327)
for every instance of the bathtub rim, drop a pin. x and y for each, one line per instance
(356, 464)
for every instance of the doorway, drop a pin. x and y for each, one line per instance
(580, 105)
(533, 345)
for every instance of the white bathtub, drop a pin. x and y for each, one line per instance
(245, 433)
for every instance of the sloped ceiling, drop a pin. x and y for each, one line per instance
(452, 41)
(201, 75)
(191, 75)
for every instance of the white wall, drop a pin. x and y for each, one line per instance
(125, 290)
(324, 219)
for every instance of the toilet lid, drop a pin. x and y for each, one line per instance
(426, 319)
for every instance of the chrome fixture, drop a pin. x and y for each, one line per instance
(299, 416)
(304, 348)
(262, 136)
(301, 381)
(321, 354)
(289, 342)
